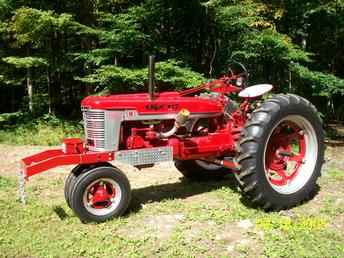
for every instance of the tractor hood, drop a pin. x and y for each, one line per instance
(166, 102)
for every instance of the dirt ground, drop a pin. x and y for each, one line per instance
(163, 182)
(164, 173)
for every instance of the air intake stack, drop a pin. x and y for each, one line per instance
(151, 76)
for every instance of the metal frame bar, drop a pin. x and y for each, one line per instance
(45, 160)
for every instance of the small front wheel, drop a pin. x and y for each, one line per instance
(100, 194)
(73, 175)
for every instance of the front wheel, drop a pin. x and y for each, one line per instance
(100, 194)
(281, 153)
(73, 175)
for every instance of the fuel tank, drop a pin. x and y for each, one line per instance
(166, 102)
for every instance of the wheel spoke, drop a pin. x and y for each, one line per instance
(279, 171)
(285, 153)
(292, 136)
(281, 180)
(297, 158)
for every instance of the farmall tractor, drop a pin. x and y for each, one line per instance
(273, 145)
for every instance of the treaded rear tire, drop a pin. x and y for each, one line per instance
(252, 178)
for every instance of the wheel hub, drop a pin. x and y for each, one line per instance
(102, 196)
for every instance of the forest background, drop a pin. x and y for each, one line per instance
(54, 53)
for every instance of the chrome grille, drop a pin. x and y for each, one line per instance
(95, 128)
(102, 129)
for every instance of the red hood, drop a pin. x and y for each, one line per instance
(162, 103)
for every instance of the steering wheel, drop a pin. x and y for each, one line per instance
(238, 74)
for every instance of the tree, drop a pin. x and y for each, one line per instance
(27, 63)
(70, 49)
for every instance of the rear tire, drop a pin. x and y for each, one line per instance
(266, 151)
(200, 170)
(100, 193)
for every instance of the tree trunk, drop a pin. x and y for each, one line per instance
(29, 88)
(13, 100)
(49, 93)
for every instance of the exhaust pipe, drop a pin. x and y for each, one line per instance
(151, 77)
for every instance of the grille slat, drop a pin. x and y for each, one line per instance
(95, 116)
(95, 127)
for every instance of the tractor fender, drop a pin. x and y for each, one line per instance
(255, 91)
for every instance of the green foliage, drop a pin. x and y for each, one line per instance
(125, 34)
(32, 26)
(112, 77)
(173, 73)
(115, 78)
(95, 57)
(7, 119)
(74, 49)
(5, 7)
(25, 62)
(272, 46)
(47, 130)
(323, 84)
(247, 17)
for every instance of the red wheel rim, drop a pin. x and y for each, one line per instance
(285, 153)
(290, 146)
(102, 196)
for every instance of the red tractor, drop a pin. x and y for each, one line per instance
(273, 145)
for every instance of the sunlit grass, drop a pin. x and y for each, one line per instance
(200, 212)
(41, 131)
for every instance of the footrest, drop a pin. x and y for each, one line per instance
(231, 163)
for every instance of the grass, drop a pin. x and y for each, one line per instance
(173, 219)
(167, 218)
(46, 130)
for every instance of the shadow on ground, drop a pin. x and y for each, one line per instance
(60, 212)
(178, 190)
(186, 188)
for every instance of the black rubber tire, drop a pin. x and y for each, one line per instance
(71, 178)
(193, 171)
(86, 178)
(67, 184)
(252, 178)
